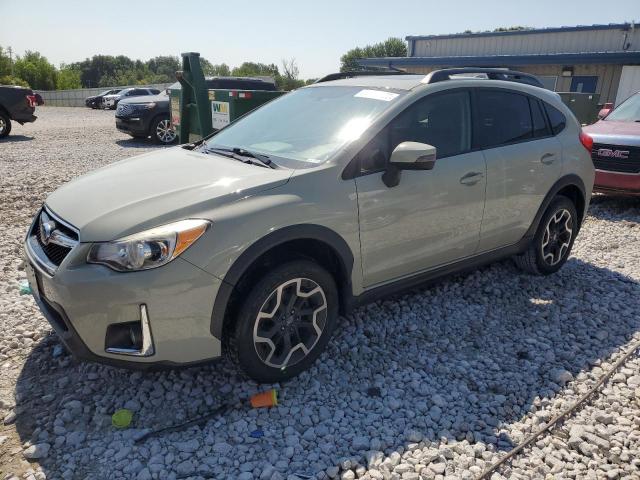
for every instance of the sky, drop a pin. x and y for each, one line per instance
(315, 33)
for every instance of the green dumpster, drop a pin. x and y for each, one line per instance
(197, 110)
(583, 105)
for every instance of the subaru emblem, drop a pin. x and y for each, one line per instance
(47, 227)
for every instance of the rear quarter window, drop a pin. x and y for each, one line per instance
(540, 127)
(557, 120)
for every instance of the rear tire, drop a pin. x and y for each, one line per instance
(284, 322)
(5, 125)
(552, 243)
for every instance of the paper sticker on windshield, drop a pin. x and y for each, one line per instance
(376, 95)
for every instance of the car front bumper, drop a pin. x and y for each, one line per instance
(133, 125)
(81, 301)
(616, 182)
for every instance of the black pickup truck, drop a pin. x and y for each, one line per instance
(17, 104)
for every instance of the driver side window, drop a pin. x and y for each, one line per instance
(441, 120)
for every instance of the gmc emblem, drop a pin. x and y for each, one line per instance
(607, 152)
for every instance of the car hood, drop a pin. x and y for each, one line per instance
(160, 99)
(614, 132)
(157, 188)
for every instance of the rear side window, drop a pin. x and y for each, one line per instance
(501, 118)
(556, 118)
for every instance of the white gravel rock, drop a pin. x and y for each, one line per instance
(38, 451)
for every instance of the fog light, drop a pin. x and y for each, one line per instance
(130, 338)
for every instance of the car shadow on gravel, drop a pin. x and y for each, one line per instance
(615, 208)
(16, 138)
(464, 360)
(137, 143)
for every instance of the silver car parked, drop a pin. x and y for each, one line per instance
(258, 237)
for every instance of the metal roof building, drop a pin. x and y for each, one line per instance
(602, 59)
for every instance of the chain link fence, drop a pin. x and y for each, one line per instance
(76, 98)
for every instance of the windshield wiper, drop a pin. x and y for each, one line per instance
(243, 155)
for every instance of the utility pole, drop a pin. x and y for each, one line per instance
(10, 59)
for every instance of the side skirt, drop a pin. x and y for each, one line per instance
(432, 276)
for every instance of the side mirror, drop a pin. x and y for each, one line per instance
(606, 110)
(408, 156)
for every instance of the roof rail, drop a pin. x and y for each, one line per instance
(359, 73)
(491, 73)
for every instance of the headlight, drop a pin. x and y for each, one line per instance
(145, 106)
(149, 249)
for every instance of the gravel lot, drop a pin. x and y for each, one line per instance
(437, 383)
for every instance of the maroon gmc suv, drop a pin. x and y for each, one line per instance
(616, 149)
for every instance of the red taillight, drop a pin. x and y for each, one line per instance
(586, 141)
(31, 101)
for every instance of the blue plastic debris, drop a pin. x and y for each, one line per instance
(25, 288)
(57, 351)
(257, 434)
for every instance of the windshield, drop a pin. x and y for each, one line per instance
(628, 111)
(307, 125)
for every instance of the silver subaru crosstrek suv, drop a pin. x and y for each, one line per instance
(254, 240)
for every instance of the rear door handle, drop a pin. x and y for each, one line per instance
(548, 158)
(471, 178)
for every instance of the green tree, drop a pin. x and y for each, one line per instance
(5, 63)
(290, 72)
(9, 80)
(36, 71)
(392, 47)
(214, 70)
(164, 68)
(511, 29)
(254, 69)
(68, 78)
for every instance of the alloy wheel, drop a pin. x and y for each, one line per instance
(290, 323)
(164, 132)
(3, 125)
(557, 237)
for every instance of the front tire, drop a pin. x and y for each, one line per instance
(285, 322)
(161, 131)
(5, 125)
(553, 240)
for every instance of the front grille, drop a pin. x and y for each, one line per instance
(124, 109)
(128, 109)
(53, 250)
(616, 158)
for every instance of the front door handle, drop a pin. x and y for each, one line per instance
(471, 178)
(548, 158)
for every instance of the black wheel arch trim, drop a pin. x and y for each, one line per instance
(267, 243)
(570, 180)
